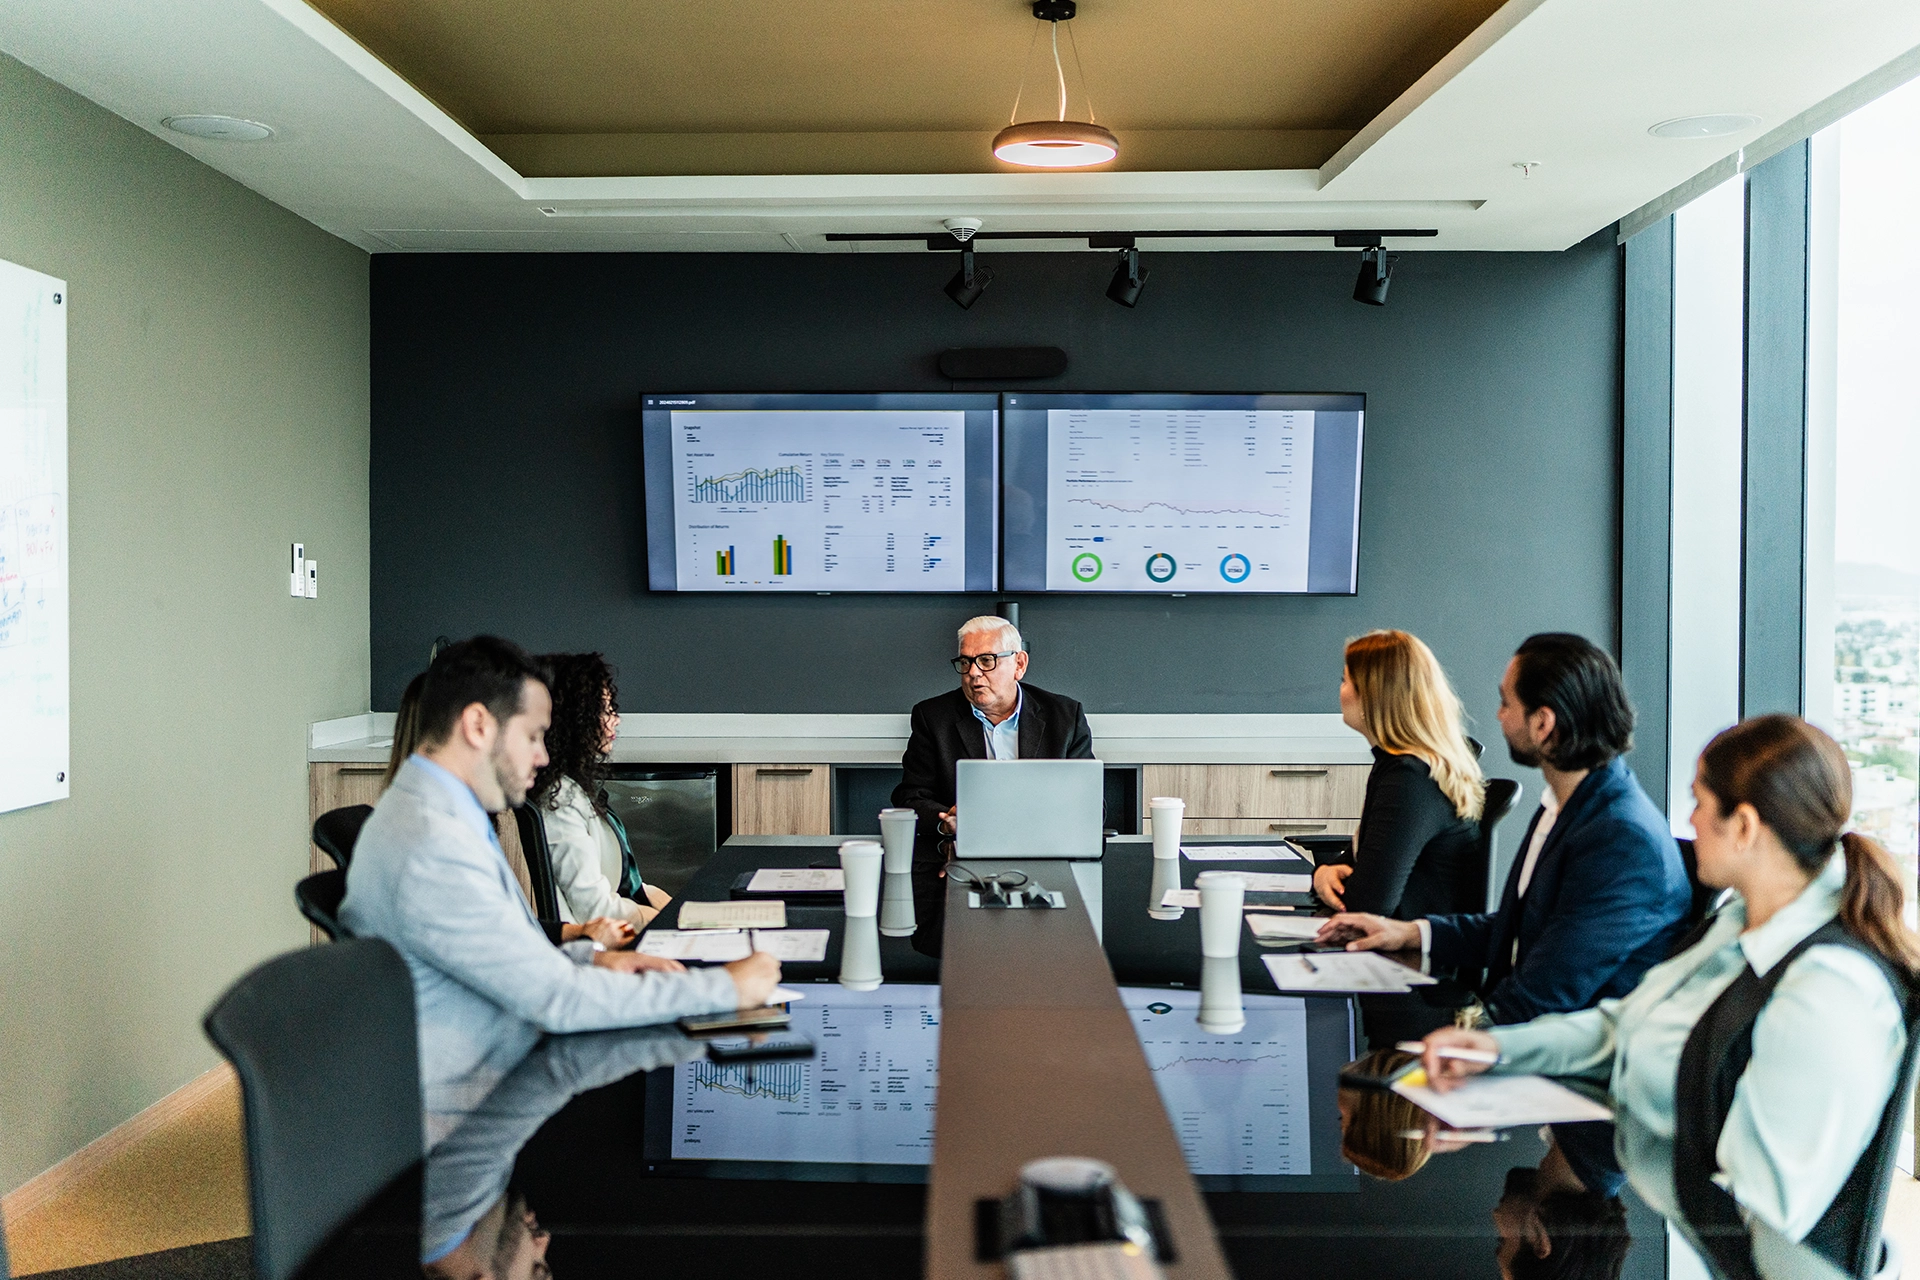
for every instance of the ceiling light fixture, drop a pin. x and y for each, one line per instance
(1128, 279)
(1376, 273)
(1717, 126)
(219, 128)
(969, 282)
(1061, 143)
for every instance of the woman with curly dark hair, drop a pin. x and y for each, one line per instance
(593, 867)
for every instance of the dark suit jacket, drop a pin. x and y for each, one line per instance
(1414, 855)
(945, 730)
(1608, 897)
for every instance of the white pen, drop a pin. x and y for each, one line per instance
(1482, 1056)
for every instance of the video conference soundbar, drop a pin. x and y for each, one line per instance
(1136, 493)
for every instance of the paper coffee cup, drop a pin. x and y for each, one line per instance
(896, 835)
(1166, 813)
(1222, 894)
(860, 862)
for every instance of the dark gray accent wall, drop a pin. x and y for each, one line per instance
(506, 492)
(1646, 502)
(1774, 498)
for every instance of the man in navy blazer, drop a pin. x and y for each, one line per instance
(1598, 894)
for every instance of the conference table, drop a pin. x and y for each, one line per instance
(992, 1037)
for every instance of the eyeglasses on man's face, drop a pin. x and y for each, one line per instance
(985, 661)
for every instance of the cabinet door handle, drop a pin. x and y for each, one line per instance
(363, 768)
(782, 773)
(1296, 826)
(1297, 773)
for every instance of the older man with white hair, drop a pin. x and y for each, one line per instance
(993, 715)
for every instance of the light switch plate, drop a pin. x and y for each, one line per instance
(313, 579)
(297, 577)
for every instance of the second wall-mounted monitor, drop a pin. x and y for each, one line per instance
(821, 492)
(1182, 493)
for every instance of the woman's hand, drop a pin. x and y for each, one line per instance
(609, 933)
(1443, 1073)
(1329, 885)
(755, 978)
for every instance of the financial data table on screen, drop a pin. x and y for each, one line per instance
(820, 493)
(1252, 494)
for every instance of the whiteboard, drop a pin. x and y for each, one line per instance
(33, 538)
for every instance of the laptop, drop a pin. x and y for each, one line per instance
(1029, 808)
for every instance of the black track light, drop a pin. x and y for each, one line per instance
(969, 282)
(1376, 271)
(1128, 279)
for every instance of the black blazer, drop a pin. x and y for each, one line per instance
(945, 730)
(1414, 856)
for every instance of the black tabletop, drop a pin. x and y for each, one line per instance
(581, 1137)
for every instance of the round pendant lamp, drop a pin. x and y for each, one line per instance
(1059, 143)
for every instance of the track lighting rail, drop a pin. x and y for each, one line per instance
(1358, 239)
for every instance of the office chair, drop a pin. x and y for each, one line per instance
(1704, 895)
(336, 831)
(1501, 794)
(318, 897)
(323, 1040)
(533, 843)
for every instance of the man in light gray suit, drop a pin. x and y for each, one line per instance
(429, 877)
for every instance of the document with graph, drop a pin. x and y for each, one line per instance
(867, 1097)
(1238, 1102)
(839, 497)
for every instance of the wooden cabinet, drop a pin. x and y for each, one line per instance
(782, 800)
(1251, 799)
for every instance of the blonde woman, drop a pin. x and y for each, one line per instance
(1414, 853)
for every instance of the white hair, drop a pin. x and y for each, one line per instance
(992, 623)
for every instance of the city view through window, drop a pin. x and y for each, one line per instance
(1876, 693)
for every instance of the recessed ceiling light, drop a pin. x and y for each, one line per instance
(1704, 126)
(219, 128)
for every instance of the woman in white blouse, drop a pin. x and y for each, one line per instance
(1753, 1074)
(594, 871)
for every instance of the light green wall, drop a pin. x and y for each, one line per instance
(217, 382)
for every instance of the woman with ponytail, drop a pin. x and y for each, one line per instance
(1758, 1076)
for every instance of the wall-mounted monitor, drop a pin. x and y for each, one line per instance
(821, 492)
(1182, 493)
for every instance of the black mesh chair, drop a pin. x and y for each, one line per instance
(318, 897)
(1704, 895)
(1501, 794)
(336, 831)
(323, 1041)
(533, 843)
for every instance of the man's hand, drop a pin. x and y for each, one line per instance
(609, 933)
(634, 962)
(755, 978)
(1444, 1073)
(948, 821)
(1329, 884)
(1363, 932)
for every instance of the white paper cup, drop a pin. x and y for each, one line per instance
(860, 953)
(896, 905)
(896, 835)
(1166, 875)
(1222, 1011)
(1166, 813)
(860, 861)
(1221, 895)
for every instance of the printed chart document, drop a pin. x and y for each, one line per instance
(792, 944)
(1238, 1103)
(797, 880)
(1276, 928)
(1240, 853)
(719, 945)
(867, 1097)
(1501, 1102)
(733, 915)
(1342, 971)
